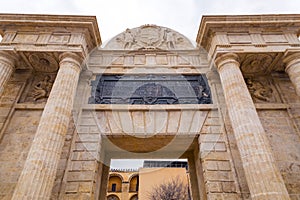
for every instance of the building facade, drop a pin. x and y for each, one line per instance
(123, 184)
(230, 106)
(133, 184)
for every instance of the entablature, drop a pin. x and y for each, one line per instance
(148, 61)
(249, 33)
(39, 39)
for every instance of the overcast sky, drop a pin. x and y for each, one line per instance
(184, 16)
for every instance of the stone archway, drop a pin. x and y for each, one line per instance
(146, 130)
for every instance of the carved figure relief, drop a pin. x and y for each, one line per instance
(42, 88)
(128, 39)
(149, 37)
(169, 39)
(259, 91)
(38, 89)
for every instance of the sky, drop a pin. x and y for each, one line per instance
(184, 16)
(114, 16)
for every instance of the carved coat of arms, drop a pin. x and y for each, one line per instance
(149, 37)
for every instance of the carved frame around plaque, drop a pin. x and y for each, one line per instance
(150, 89)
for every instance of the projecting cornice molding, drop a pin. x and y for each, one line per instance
(26, 32)
(39, 40)
(248, 33)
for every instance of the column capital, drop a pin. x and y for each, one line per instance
(70, 57)
(8, 57)
(86, 75)
(212, 76)
(223, 59)
(290, 59)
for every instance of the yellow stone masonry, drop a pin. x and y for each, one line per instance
(244, 145)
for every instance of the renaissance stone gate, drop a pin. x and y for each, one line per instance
(230, 105)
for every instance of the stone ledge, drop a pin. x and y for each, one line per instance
(30, 106)
(88, 107)
(271, 106)
(126, 107)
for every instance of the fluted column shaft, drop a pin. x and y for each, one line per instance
(293, 70)
(39, 172)
(7, 66)
(263, 177)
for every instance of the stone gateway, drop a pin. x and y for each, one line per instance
(229, 105)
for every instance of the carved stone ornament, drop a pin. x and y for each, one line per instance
(39, 89)
(150, 89)
(261, 90)
(256, 63)
(43, 62)
(149, 37)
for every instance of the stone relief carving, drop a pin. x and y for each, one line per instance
(128, 39)
(256, 63)
(42, 88)
(38, 89)
(262, 90)
(149, 37)
(169, 38)
(43, 62)
(258, 90)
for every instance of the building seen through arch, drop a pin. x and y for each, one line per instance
(141, 183)
(229, 105)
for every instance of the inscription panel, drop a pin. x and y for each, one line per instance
(150, 89)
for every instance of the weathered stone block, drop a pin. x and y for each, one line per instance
(213, 187)
(228, 187)
(74, 176)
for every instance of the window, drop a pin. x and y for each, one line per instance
(134, 184)
(135, 197)
(114, 184)
(112, 197)
(113, 187)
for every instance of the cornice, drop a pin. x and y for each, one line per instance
(209, 25)
(51, 23)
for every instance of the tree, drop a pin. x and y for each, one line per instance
(175, 189)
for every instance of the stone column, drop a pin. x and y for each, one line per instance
(263, 177)
(7, 66)
(38, 175)
(293, 69)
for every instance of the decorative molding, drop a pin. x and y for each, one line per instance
(223, 59)
(256, 63)
(43, 62)
(149, 37)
